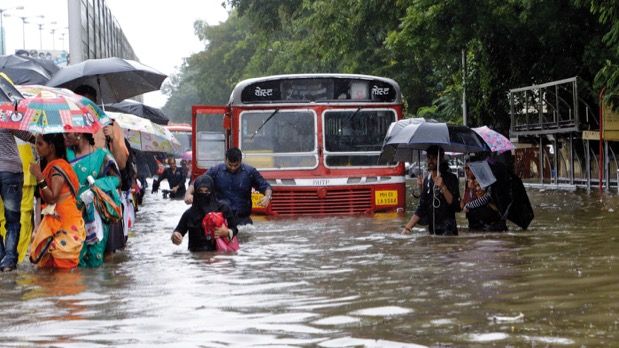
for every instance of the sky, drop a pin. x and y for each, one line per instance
(160, 32)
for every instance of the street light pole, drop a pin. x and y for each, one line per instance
(23, 30)
(40, 36)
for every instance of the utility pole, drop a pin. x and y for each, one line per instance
(464, 114)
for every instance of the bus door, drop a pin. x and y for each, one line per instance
(211, 136)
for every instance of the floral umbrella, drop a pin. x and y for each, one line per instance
(51, 110)
(145, 135)
(497, 141)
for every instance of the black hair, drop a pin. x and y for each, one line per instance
(60, 149)
(87, 91)
(90, 138)
(434, 150)
(234, 155)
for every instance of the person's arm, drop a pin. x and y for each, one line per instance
(420, 211)
(444, 189)
(23, 135)
(116, 144)
(158, 181)
(230, 231)
(189, 194)
(261, 186)
(50, 191)
(181, 229)
(480, 201)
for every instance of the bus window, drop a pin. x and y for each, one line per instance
(355, 137)
(282, 139)
(185, 139)
(210, 141)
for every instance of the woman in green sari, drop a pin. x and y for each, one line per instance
(87, 160)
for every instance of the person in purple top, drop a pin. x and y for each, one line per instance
(233, 182)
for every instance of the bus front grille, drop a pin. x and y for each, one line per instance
(327, 202)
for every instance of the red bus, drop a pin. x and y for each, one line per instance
(315, 138)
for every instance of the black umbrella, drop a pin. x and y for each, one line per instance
(139, 109)
(406, 137)
(46, 64)
(23, 71)
(115, 79)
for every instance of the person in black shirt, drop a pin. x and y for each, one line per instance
(440, 197)
(176, 179)
(204, 202)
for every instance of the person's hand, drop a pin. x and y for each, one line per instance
(35, 170)
(439, 182)
(174, 189)
(188, 199)
(177, 238)
(465, 210)
(264, 202)
(222, 231)
(108, 131)
(419, 182)
(406, 230)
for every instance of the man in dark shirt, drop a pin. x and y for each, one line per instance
(176, 179)
(440, 197)
(233, 185)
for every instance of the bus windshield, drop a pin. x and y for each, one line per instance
(279, 139)
(355, 137)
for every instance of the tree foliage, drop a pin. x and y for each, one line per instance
(419, 43)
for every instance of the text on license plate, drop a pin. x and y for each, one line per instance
(386, 197)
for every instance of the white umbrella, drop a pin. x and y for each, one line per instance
(145, 135)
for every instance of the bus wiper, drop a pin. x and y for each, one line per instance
(354, 114)
(264, 122)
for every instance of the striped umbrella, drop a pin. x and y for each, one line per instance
(51, 110)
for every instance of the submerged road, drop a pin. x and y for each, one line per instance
(336, 282)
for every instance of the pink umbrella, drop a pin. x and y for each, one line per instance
(187, 156)
(497, 141)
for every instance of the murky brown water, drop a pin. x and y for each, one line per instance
(337, 282)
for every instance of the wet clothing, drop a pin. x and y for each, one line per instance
(59, 238)
(100, 164)
(433, 206)
(483, 214)
(235, 188)
(11, 184)
(191, 221)
(175, 177)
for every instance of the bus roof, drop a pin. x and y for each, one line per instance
(325, 88)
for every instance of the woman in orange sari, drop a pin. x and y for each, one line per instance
(59, 238)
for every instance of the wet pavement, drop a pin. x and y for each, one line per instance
(336, 282)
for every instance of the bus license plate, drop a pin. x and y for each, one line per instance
(389, 197)
(256, 197)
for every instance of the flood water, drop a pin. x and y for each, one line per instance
(337, 282)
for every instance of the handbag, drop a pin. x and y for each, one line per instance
(210, 222)
(108, 209)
